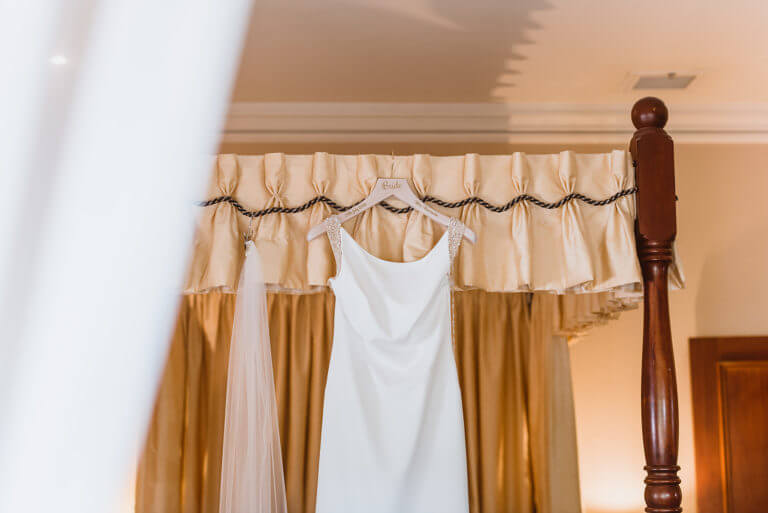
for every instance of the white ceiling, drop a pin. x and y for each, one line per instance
(520, 52)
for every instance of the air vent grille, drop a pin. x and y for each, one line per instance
(664, 81)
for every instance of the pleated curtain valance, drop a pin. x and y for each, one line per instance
(560, 223)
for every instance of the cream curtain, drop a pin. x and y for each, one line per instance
(551, 410)
(576, 247)
(516, 459)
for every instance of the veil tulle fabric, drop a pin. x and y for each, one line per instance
(252, 467)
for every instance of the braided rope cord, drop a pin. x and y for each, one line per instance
(426, 199)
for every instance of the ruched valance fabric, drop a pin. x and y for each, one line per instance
(576, 247)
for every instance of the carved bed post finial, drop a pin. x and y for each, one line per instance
(653, 154)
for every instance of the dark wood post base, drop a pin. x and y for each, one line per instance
(662, 489)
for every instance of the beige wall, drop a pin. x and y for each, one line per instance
(723, 244)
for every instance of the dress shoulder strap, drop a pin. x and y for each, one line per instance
(455, 235)
(334, 237)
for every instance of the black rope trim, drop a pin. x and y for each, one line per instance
(426, 199)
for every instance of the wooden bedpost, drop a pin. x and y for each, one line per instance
(655, 228)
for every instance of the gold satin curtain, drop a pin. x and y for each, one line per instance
(515, 459)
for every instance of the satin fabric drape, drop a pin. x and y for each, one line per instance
(576, 247)
(514, 459)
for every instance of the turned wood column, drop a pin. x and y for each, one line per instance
(655, 228)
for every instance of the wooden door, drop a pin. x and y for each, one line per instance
(730, 422)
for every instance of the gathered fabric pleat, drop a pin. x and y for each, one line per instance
(578, 247)
(551, 412)
(598, 239)
(490, 335)
(180, 468)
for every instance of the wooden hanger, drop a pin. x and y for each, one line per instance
(386, 188)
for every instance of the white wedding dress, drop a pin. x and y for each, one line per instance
(393, 432)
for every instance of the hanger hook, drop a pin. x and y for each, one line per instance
(248, 235)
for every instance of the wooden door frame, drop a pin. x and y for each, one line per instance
(706, 355)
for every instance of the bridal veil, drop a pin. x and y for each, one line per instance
(252, 468)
